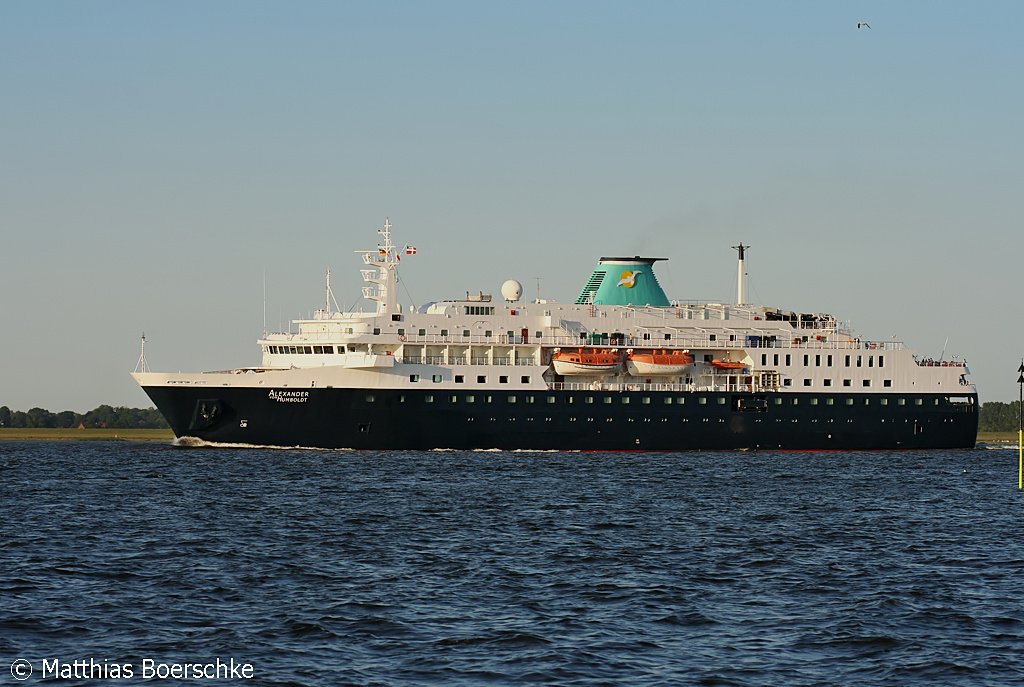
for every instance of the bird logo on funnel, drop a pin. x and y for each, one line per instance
(628, 279)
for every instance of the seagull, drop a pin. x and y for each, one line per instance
(863, 25)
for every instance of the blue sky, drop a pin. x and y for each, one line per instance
(158, 158)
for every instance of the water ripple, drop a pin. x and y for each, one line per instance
(470, 568)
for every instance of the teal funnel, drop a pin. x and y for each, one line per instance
(624, 281)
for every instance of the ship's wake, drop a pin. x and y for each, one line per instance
(196, 442)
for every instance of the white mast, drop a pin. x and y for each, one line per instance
(141, 366)
(741, 295)
(384, 277)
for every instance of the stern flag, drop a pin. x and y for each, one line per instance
(410, 250)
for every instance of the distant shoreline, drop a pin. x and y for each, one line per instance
(20, 434)
(88, 434)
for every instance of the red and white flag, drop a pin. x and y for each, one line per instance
(410, 250)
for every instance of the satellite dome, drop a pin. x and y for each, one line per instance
(511, 291)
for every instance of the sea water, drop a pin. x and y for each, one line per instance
(499, 568)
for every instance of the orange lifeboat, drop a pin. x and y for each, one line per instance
(726, 364)
(585, 361)
(656, 361)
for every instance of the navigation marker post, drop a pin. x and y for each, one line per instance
(1020, 428)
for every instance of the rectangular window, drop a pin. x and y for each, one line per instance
(775, 359)
(511, 399)
(435, 378)
(807, 382)
(376, 331)
(721, 400)
(814, 401)
(607, 400)
(807, 360)
(668, 337)
(588, 399)
(918, 401)
(702, 401)
(470, 399)
(883, 401)
(423, 332)
(371, 398)
(830, 401)
(847, 382)
(817, 361)
(503, 379)
(788, 359)
(881, 361)
(414, 378)
(847, 361)
(829, 361)
(401, 332)
(828, 382)
(453, 399)
(429, 398)
(444, 332)
(778, 400)
(866, 382)
(787, 382)
(849, 401)
(764, 358)
(901, 401)
(465, 332)
(871, 361)
(887, 383)
(646, 400)
(525, 379)
(680, 401)
(529, 399)
(459, 379)
(668, 400)
(481, 379)
(551, 399)
(859, 360)
(625, 400)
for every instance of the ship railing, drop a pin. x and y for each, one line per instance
(593, 339)
(461, 360)
(638, 386)
(929, 362)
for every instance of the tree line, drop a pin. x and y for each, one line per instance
(103, 416)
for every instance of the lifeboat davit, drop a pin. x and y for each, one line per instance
(585, 361)
(664, 361)
(726, 364)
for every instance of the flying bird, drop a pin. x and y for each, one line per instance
(863, 25)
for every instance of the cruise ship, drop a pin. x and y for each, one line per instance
(622, 368)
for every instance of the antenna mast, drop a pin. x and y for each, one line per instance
(141, 366)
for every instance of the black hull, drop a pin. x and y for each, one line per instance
(567, 420)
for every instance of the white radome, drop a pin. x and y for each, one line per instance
(512, 291)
